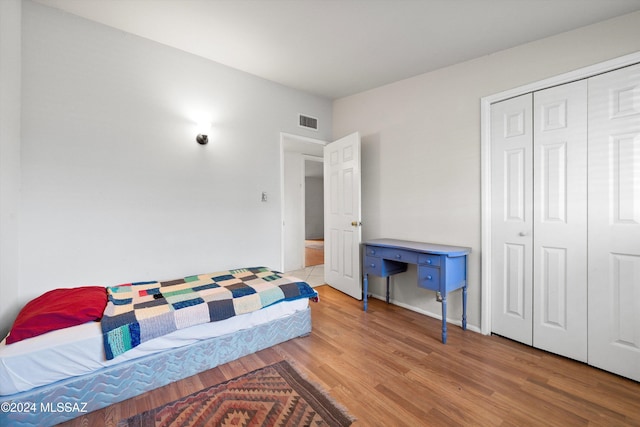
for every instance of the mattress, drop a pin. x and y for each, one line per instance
(79, 350)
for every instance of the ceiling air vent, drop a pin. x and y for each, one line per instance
(308, 122)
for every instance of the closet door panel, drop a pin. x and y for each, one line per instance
(560, 220)
(614, 221)
(511, 183)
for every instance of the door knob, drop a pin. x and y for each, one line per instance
(355, 223)
(522, 233)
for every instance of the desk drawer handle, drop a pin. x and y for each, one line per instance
(398, 256)
(429, 277)
(372, 265)
(429, 261)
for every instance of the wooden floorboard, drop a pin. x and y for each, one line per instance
(313, 252)
(389, 368)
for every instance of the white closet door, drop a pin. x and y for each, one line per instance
(614, 221)
(511, 225)
(560, 220)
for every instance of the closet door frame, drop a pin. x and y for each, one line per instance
(485, 147)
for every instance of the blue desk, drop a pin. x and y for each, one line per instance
(441, 268)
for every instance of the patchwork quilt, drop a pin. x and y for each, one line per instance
(138, 312)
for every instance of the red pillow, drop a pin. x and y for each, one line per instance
(58, 309)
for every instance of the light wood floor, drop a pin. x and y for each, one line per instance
(313, 252)
(388, 367)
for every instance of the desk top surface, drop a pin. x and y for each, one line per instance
(430, 248)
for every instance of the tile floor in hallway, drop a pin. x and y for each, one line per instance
(313, 275)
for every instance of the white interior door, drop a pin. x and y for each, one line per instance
(342, 215)
(512, 222)
(614, 222)
(560, 220)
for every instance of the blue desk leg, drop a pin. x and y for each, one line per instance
(464, 307)
(388, 289)
(366, 290)
(444, 318)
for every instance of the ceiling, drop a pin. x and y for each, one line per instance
(336, 48)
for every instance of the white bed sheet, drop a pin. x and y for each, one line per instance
(79, 350)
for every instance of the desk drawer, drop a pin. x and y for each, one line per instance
(373, 251)
(373, 265)
(429, 259)
(382, 267)
(429, 277)
(400, 255)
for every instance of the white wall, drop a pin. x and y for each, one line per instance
(114, 186)
(313, 207)
(421, 146)
(10, 53)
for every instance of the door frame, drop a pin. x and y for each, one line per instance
(485, 160)
(300, 141)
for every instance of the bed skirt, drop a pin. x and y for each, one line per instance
(67, 399)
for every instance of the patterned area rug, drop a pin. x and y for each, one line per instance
(276, 395)
(314, 244)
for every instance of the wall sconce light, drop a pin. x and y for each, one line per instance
(202, 139)
(203, 133)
